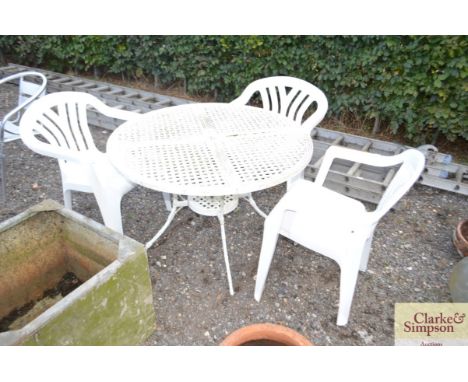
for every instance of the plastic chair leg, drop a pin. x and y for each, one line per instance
(291, 181)
(67, 198)
(365, 253)
(348, 278)
(270, 238)
(109, 205)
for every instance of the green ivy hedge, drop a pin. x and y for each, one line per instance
(416, 84)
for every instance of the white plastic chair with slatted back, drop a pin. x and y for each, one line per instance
(28, 91)
(332, 224)
(57, 126)
(291, 97)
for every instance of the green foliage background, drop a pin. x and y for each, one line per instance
(416, 84)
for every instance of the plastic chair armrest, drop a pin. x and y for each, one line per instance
(113, 112)
(338, 152)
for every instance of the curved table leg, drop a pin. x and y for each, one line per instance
(226, 259)
(177, 205)
(251, 200)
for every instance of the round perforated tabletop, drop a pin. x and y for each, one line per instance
(210, 149)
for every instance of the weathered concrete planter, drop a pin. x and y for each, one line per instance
(113, 306)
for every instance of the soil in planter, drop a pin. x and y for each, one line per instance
(19, 317)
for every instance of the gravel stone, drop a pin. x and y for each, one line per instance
(411, 259)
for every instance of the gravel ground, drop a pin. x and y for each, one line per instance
(411, 260)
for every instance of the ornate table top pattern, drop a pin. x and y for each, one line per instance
(210, 149)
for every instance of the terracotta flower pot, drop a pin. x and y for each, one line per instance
(458, 282)
(265, 335)
(460, 238)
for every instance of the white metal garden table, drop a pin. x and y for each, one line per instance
(212, 153)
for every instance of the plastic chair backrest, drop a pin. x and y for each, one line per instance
(412, 164)
(288, 96)
(61, 119)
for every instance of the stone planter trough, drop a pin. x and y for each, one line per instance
(113, 303)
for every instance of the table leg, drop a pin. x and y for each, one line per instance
(251, 200)
(167, 200)
(226, 259)
(177, 205)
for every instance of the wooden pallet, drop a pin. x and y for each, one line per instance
(359, 181)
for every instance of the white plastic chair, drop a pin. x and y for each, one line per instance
(290, 97)
(56, 125)
(332, 224)
(9, 130)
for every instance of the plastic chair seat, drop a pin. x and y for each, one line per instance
(335, 215)
(78, 178)
(74, 176)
